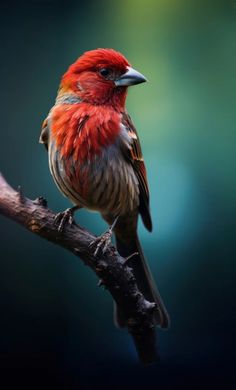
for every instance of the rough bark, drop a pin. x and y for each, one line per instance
(113, 271)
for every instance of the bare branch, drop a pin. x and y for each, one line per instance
(112, 269)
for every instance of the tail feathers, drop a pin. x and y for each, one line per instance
(145, 283)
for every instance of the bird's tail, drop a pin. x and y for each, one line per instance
(144, 281)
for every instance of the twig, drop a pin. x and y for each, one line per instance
(116, 276)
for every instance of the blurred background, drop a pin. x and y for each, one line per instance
(56, 325)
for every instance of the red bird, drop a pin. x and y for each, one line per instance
(95, 156)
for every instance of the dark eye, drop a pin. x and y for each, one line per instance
(105, 72)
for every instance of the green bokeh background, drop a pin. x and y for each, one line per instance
(55, 323)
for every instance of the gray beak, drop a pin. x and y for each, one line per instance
(131, 77)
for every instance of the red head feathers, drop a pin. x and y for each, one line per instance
(95, 60)
(100, 77)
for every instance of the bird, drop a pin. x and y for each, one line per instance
(96, 160)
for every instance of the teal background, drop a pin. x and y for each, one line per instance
(56, 325)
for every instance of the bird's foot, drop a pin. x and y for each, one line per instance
(65, 217)
(102, 242)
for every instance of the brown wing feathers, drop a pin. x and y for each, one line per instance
(135, 157)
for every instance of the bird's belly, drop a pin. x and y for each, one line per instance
(112, 188)
(106, 184)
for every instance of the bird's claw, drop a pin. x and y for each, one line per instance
(63, 218)
(102, 242)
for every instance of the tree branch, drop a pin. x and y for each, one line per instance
(110, 267)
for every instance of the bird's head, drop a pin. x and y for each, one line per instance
(100, 77)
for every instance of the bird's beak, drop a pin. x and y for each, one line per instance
(131, 77)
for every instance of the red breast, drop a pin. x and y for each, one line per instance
(82, 130)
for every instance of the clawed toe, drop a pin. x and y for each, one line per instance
(102, 242)
(65, 217)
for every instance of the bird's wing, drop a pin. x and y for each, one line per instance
(135, 157)
(44, 136)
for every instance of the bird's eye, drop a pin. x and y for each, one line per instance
(105, 72)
